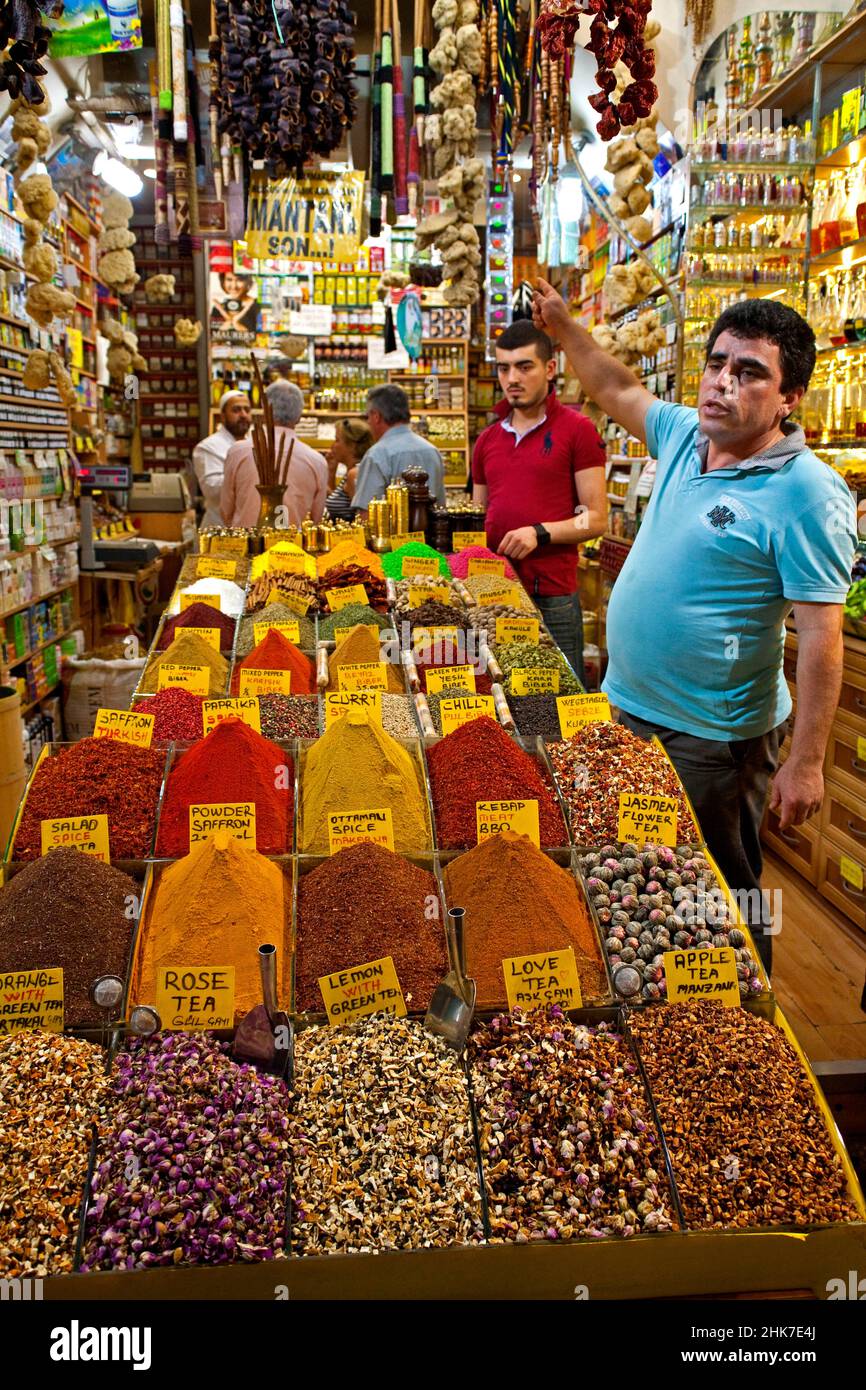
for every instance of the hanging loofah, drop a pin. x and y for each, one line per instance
(46, 302)
(187, 331)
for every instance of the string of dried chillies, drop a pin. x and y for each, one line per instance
(557, 29)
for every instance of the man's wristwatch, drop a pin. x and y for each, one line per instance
(542, 533)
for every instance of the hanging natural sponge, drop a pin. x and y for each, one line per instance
(40, 261)
(444, 13)
(115, 239)
(32, 230)
(117, 269)
(118, 360)
(469, 48)
(116, 210)
(47, 302)
(37, 197)
(187, 331)
(443, 57)
(37, 371)
(159, 289)
(62, 380)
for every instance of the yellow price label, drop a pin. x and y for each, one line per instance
(372, 988)
(702, 975)
(519, 817)
(125, 726)
(295, 602)
(195, 679)
(291, 631)
(340, 633)
(187, 601)
(450, 677)
(190, 997)
(408, 538)
(283, 562)
(646, 819)
(485, 567)
(342, 598)
(227, 545)
(577, 710)
(548, 977)
(462, 540)
(503, 593)
(89, 834)
(339, 702)
(236, 818)
(364, 675)
(254, 680)
(434, 593)
(346, 828)
(211, 635)
(245, 708)
(419, 564)
(426, 636)
(534, 680)
(31, 999)
(458, 710)
(516, 629)
(861, 748)
(209, 567)
(851, 872)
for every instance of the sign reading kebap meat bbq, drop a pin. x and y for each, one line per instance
(315, 218)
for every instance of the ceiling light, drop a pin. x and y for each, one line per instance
(117, 175)
(137, 151)
(149, 173)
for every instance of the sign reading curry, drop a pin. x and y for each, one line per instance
(314, 218)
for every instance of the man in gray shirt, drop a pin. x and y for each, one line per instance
(397, 448)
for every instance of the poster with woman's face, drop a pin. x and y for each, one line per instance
(234, 307)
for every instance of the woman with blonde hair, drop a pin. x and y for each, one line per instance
(352, 441)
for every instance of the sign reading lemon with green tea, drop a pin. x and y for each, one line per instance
(372, 988)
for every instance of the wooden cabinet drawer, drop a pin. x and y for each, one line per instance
(831, 885)
(798, 845)
(852, 700)
(843, 818)
(842, 763)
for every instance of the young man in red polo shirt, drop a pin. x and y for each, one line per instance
(539, 470)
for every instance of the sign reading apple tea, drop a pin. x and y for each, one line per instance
(543, 978)
(31, 999)
(347, 828)
(645, 819)
(354, 993)
(708, 974)
(124, 726)
(191, 997)
(89, 834)
(237, 818)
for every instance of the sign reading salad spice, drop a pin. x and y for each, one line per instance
(520, 817)
(187, 601)
(189, 997)
(245, 708)
(451, 677)
(238, 818)
(702, 975)
(31, 999)
(548, 978)
(346, 828)
(646, 819)
(291, 631)
(209, 567)
(342, 598)
(534, 680)
(125, 726)
(462, 540)
(577, 710)
(262, 681)
(314, 218)
(372, 988)
(89, 834)
(462, 709)
(339, 702)
(195, 679)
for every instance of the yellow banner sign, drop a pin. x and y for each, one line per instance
(238, 818)
(577, 710)
(534, 680)
(364, 675)
(516, 629)
(31, 999)
(346, 828)
(314, 218)
(245, 708)
(286, 562)
(520, 817)
(125, 726)
(195, 679)
(462, 709)
(361, 990)
(419, 564)
(227, 545)
(89, 834)
(189, 997)
(702, 975)
(451, 677)
(187, 601)
(209, 567)
(462, 540)
(339, 702)
(547, 978)
(646, 819)
(291, 631)
(342, 598)
(486, 567)
(260, 681)
(434, 593)
(341, 632)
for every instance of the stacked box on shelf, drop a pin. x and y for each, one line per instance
(169, 417)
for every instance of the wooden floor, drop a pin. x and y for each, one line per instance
(819, 968)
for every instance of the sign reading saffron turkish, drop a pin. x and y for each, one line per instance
(314, 218)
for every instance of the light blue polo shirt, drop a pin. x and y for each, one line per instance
(695, 622)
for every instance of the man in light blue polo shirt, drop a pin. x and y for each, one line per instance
(397, 448)
(744, 524)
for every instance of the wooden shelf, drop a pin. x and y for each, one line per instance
(16, 323)
(26, 709)
(843, 51)
(40, 598)
(49, 642)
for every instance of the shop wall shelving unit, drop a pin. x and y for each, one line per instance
(169, 423)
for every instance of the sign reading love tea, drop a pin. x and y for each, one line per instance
(125, 726)
(89, 834)
(372, 988)
(702, 975)
(346, 828)
(190, 997)
(237, 818)
(647, 819)
(31, 999)
(547, 978)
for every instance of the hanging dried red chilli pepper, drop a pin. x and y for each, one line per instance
(616, 36)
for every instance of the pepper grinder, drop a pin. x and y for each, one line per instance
(420, 500)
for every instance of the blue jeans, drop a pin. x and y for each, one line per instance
(564, 619)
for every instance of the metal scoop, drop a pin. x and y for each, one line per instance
(450, 1010)
(265, 1035)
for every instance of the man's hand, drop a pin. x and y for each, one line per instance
(518, 544)
(549, 312)
(796, 792)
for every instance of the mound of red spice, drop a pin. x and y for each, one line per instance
(96, 777)
(481, 762)
(232, 763)
(199, 615)
(276, 653)
(446, 654)
(177, 714)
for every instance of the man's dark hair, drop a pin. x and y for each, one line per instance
(391, 402)
(763, 318)
(522, 333)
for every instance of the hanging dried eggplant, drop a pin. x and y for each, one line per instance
(25, 40)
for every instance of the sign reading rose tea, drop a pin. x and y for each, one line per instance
(190, 997)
